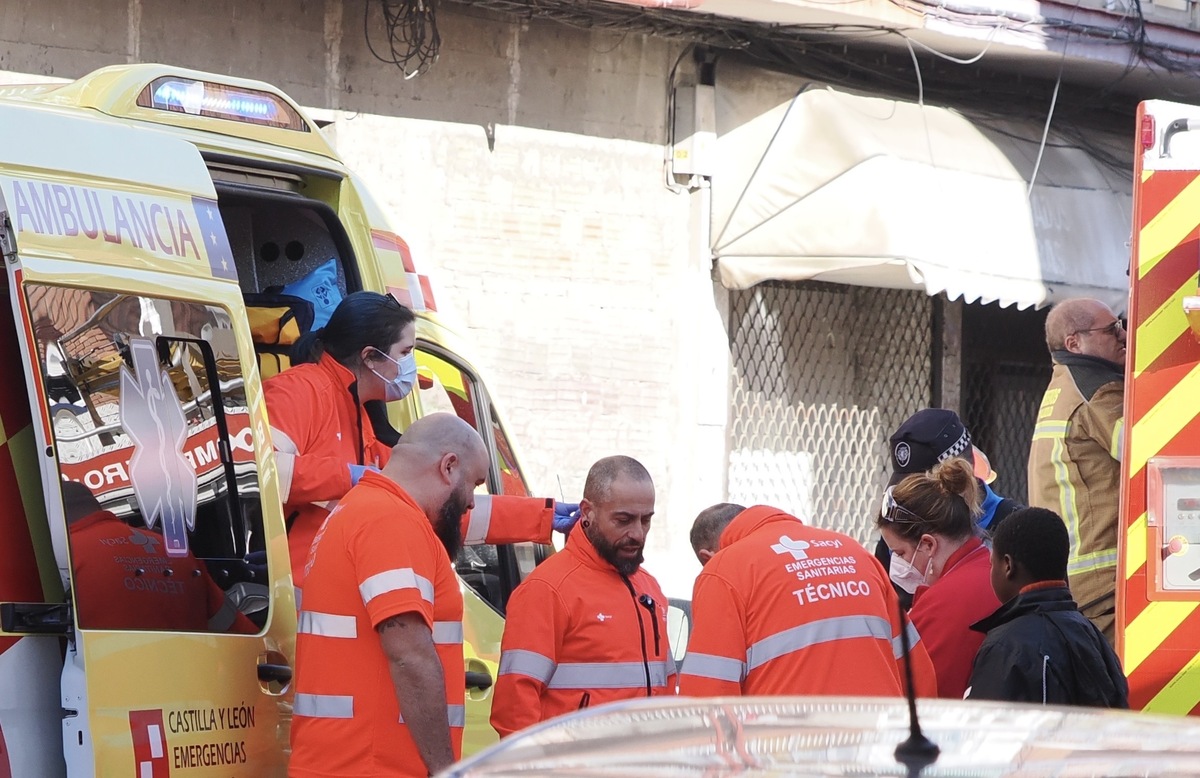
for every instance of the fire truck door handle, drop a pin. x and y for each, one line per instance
(278, 673)
(478, 680)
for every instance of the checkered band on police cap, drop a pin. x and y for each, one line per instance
(961, 445)
(927, 438)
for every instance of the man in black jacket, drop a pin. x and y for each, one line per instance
(1039, 647)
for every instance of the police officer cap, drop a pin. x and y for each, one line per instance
(929, 436)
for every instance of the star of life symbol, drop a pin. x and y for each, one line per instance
(149, 543)
(788, 546)
(602, 617)
(163, 481)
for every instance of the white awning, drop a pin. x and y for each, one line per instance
(818, 184)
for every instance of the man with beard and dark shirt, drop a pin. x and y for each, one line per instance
(379, 660)
(1075, 456)
(589, 625)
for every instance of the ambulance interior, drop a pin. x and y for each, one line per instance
(295, 262)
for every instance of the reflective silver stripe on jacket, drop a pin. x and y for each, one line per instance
(607, 675)
(672, 668)
(324, 706)
(718, 668)
(456, 715)
(808, 635)
(393, 580)
(913, 640)
(448, 632)
(328, 625)
(517, 661)
(480, 521)
(285, 461)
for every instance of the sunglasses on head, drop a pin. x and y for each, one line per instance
(894, 511)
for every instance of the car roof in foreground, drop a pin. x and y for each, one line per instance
(835, 736)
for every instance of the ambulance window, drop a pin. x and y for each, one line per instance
(152, 435)
(511, 479)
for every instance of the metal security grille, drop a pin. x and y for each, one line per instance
(1005, 371)
(1000, 403)
(822, 374)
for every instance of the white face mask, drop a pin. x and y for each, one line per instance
(907, 577)
(406, 375)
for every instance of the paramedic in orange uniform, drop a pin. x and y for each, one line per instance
(589, 625)
(123, 578)
(324, 441)
(379, 659)
(785, 608)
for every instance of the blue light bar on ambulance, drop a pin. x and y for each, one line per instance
(220, 101)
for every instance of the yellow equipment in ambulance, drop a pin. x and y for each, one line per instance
(166, 234)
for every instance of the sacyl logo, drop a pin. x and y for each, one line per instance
(788, 546)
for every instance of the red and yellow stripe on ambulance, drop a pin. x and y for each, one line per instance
(1158, 581)
(129, 226)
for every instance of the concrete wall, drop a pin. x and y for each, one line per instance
(580, 279)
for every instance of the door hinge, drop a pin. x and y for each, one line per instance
(8, 242)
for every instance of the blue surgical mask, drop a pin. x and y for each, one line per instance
(406, 376)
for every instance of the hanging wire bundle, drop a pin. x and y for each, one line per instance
(412, 34)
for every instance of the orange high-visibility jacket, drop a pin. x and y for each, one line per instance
(785, 608)
(318, 429)
(376, 557)
(577, 633)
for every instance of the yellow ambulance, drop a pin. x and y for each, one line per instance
(165, 234)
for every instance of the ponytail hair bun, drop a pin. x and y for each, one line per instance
(956, 476)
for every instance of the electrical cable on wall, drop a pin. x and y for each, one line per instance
(412, 34)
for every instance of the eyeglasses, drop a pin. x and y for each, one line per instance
(1112, 328)
(890, 509)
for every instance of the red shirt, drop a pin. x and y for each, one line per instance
(944, 612)
(124, 580)
(374, 558)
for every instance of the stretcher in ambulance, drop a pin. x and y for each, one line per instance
(166, 234)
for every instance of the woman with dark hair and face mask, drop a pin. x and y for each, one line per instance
(928, 522)
(324, 439)
(320, 414)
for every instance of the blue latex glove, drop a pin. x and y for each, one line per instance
(565, 516)
(358, 471)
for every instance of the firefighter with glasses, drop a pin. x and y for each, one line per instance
(1075, 456)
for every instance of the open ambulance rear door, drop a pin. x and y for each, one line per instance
(1158, 570)
(147, 453)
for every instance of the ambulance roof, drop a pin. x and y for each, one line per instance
(187, 99)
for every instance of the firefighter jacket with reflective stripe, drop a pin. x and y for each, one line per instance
(784, 608)
(319, 428)
(374, 558)
(578, 633)
(1075, 471)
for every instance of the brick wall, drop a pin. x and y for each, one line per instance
(579, 280)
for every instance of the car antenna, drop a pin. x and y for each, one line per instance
(918, 752)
